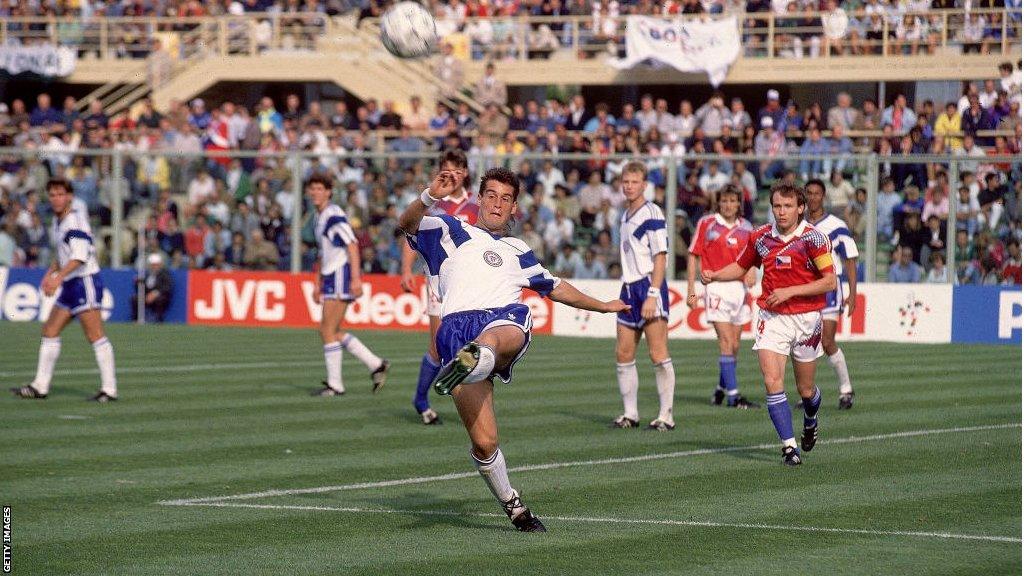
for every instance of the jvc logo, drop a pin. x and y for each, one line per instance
(262, 297)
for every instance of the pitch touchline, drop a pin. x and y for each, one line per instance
(183, 368)
(652, 522)
(570, 464)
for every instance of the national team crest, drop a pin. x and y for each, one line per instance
(783, 262)
(492, 258)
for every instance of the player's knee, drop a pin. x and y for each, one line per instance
(485, 446)
(623, 356)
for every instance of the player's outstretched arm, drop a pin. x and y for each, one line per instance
(569, 295)
(731, 272)
(441, 187)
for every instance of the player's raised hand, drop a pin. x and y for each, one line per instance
(616, 306)
(444, 184)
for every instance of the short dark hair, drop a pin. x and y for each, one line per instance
(815, 182)
(787, 191)
(325, 181)
(503, 175)
(59, 183)
(454, 156)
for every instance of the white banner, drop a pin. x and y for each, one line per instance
(691, 46)
(911, 313)
(45, 60)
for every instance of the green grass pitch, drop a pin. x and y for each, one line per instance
(923, 476)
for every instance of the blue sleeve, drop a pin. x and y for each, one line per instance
(535, 276)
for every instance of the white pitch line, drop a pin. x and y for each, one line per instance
(570, 464)
(650, 522)
(174, 369)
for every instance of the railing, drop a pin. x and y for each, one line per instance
(763, 35)
(117, 178)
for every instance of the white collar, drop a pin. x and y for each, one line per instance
(800, 228)
(721, 220)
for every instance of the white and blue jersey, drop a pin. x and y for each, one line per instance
(72, 239)
(843, 248)
(480, 278)
(643, 236)
(334, 234)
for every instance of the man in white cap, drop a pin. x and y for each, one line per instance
(769, 143)
(772, 109)
(157, 287)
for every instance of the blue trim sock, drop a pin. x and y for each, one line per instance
(727, 377)
(428, 371)
(782, 417)
(811, 408)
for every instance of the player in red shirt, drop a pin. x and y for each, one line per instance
(718, 241)
(462, 206)
(798, 272)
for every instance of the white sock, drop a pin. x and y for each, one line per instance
(104, 351)
(484, 366)
(495, 475)
(332, 358)
(49, 351)
(665, 378)
(838, 362)
(360, 351)
(628, 384)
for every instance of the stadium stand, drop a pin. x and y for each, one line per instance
(212, 183)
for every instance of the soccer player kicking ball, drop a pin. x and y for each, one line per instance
(459, 205)
(484, 328)
(77, 274)
(844, 251)
(340, 283)
(798, 272)
(718, 241)
(643, 252)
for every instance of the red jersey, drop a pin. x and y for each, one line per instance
(803, 256)
(465, 210)
(717, 243)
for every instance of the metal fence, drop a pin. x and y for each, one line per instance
(120, 186)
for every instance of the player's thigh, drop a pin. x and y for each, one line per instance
(435, 323)
(828, 333)
(56, 322)
(804, 375)
(506, 341)
(475, 404)
(773, 368)
(330, 320)
(656, 332)
(626, 339)
(92, 324)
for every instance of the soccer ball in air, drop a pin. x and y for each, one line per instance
(408, 30)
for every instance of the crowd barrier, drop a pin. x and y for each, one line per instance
(903, 313)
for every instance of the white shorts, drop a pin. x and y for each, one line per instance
(726, 302)
(796, 335)
(433, 298)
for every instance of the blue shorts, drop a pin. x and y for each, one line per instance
(834, 300)
(459, 328)
(635, 294)
(337, 285)
(81, 294)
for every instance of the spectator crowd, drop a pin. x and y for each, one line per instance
(199, 209)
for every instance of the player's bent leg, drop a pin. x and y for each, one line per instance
(475, 405)
(656, 332)
(92, 325)
(429, 367)
(49, 352)
(377, 366)
(330, 322)
(804, 373)
(626, 339)
(773, 367)
(493, 350)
